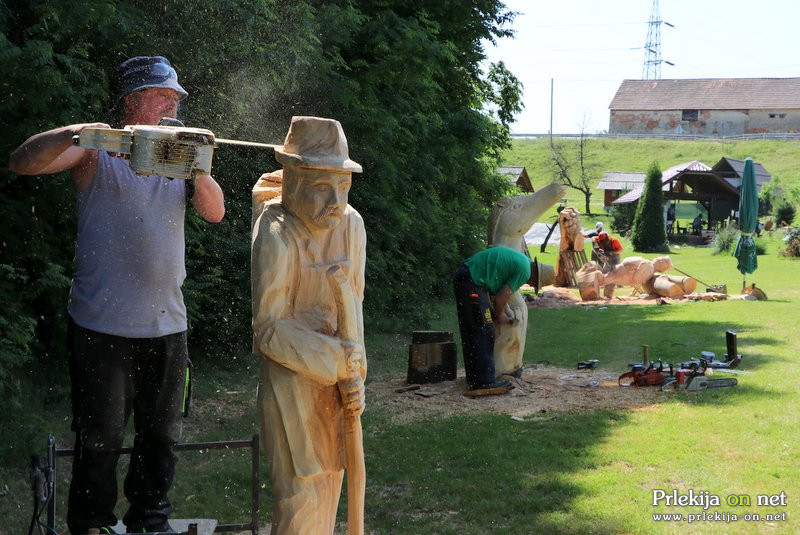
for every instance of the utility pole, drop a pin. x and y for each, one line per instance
(652, 48)
(551, 112)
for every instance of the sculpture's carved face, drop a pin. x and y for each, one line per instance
(320, 197)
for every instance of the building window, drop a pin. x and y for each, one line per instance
(778, 115)
(689, 115)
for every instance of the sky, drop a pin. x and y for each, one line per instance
(588, 47)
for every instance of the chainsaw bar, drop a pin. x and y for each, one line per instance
(697, 383)
(701, 383)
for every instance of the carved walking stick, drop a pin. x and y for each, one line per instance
(354, 445)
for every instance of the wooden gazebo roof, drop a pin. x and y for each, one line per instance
(705, 183)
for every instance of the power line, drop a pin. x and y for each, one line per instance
(573, 25)
(616, 49)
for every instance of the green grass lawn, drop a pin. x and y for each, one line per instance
(595, 471)
(592, 471)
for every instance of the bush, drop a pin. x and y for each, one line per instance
(785, 213)
(792, 240)
(725, 240)
(622, 217)
(649, 233)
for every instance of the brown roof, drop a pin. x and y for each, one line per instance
(666, 176)
(516, 174)
(733, 171)
(708, 94)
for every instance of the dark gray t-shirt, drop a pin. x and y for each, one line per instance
(129, 259)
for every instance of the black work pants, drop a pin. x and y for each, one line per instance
(477, 329)
(111, 377)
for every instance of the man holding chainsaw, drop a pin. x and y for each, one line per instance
(308, 329)
(127, 330)
(483, 285)
(606, 250)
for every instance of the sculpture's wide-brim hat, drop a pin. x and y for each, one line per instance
(316, 143)
(543, 275)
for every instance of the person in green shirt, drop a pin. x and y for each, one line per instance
(483, 284)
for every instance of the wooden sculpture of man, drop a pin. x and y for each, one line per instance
(308, 328)
(569, 224)
(511, 218)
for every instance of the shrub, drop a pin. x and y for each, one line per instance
(785, 214)
(725, 240)
(622, 217)
(792, 240)
(649, 233)
(761, 247)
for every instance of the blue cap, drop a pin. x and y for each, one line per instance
(143, 72)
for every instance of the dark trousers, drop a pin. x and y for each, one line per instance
(477, 329)
(112, 376)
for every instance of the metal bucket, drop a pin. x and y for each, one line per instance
(432, 357)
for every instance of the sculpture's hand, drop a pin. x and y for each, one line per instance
(504, 319)
(351, 386)
(352, 392)
(352, 362)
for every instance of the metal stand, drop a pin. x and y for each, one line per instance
(54, 452)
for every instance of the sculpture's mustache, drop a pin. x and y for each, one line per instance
(326, 213)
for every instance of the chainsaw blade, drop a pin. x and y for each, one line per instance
(719, 383)
(701, 383)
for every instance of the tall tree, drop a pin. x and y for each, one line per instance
(407, 84)
(573, 166)
(649, 230)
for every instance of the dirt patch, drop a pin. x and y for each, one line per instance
(553, 297)
(540, 390)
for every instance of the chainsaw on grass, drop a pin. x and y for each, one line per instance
(691, 376)
(168, 149)
(641, 375)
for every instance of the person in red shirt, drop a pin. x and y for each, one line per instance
(606, 250)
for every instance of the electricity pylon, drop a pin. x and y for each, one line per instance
(652, 48)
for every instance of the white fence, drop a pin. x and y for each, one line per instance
(781, 136)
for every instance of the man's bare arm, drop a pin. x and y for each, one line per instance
(500, 302)
(52, 152)
(208, 199)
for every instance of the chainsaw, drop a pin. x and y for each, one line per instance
(692, 377)
(641, 375)
(168, 149)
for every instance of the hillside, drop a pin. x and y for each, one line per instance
(779, 157)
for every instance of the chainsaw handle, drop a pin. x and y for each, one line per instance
(631, 375)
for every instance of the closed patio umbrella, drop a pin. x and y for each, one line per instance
(745, 251)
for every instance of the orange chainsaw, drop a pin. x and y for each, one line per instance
(640, 375)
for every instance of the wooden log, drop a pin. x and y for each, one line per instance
(671, 285)
(589, 279)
